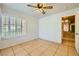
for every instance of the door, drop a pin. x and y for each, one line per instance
(77, 32)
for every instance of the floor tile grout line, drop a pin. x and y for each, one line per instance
(27, 52)
(13, 51)
(45, 50)
(32, 51)
(56, 50)
(68, 51)
(27, 48)
(35, 48)
(69, 46)
(76, 52)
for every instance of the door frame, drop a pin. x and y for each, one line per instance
(69, 26)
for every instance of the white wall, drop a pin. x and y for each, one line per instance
(50, 26)
(31, 31)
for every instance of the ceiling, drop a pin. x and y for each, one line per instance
(57, 7)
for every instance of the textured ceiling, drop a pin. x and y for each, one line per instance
(57, 7)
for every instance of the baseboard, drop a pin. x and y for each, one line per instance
(15, 43)
(49, 41)
(20, 42)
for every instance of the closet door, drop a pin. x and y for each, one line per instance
(77, 32)
(0, 27)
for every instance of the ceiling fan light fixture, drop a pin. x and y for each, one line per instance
(40, 5)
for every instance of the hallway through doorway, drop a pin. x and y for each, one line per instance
(68, 30)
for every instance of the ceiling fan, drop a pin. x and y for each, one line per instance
(41, 7)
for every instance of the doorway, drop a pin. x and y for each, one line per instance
(68, 30)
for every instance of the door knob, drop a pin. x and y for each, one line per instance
(77, 33)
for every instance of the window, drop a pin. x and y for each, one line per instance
(11, 26)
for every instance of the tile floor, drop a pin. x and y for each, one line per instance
(39, 48)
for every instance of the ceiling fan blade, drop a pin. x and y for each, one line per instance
(48, 7)
(43, 12)
(32, 6)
